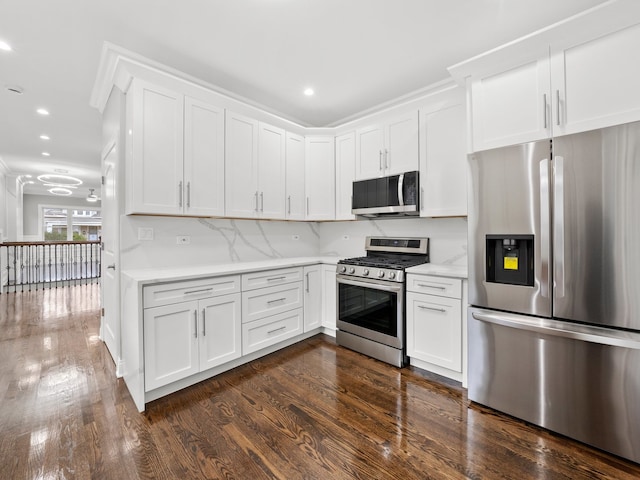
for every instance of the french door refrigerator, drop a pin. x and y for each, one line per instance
(554, 285)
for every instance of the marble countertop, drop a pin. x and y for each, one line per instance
(165, 274)
(454, 271)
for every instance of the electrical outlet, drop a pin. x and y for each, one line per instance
(345, 237)
(295, 237)
(183, 239)
(145, 233)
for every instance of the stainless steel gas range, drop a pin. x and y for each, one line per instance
(371, 297)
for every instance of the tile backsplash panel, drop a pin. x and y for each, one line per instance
(218, 241)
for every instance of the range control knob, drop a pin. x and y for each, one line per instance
(365, 272)
(352, 270)
(392, 275)
(343, 269)
(381, 273)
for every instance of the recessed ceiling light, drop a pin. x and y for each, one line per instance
(46, 154)
(65, 192)
(45, 137)
(43, 111)
(5, 46)
(308, 92)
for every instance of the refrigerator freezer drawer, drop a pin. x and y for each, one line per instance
(580, 381)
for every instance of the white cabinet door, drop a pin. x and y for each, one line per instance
(345, 175)
(271, 171)
(267, 301)
(401, 144)
(369, 152)
(320, 178)
(170, 344)
(312, 297)
(434, 330)
(443, 162)
(295, 177)
(512, 106)
(241, 166)
(220, 330)
(203, 158)
(271, 330)
(329, 297)
(155, 155)
(595, 83)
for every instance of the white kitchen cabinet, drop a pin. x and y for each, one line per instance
(443, 158)
(187, 337)
(320, 178)
(345, 175)
(155, 149)
(558, 90)
(387, 149)
(254, 168)
(263, 302)
(203, 184)
(434, 324)
(176, 156)
(241, 166)
(295, 196)
(268, 331)
(329, 299)
(312, 297)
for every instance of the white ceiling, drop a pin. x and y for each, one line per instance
(354, 53)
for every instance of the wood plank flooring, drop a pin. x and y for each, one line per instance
(311, 411)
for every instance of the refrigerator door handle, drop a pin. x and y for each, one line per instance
(557, 328)
(545, 225)
(558, 225)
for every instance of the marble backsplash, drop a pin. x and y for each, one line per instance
(217, 241)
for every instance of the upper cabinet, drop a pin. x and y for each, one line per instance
(572, 77)
(345, 174)
(443, 159)
(320, 178)
(296, 202)
(254, 168)
(388, 148)
(175, 153)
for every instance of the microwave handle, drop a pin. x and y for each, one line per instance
(400, 188)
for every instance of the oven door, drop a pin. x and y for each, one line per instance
(371, 309)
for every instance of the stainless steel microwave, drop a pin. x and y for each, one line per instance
(392, 195)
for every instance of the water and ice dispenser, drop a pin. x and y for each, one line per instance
(510, 259)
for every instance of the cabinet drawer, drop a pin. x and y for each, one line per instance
(168, 293)
(441, 286)
(271, 330)
(264, 302)
(268, 278)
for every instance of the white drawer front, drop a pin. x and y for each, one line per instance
(257, 304)
(432, 285)
(268, 278)
(271, 330)
(168, 293)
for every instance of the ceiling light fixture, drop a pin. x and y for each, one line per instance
(45, 137)
(5, 46)
(17, 89)
(65, 192)
(308, 91)
(42, 111)
(61, 180)
(46, 154)
(92, 197)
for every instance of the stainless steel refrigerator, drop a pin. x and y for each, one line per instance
(554, 285)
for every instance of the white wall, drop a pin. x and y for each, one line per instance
(448, 236)
(3, 201)
(31, 227)
(212, 241)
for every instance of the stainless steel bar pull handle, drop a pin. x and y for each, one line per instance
(558, 226)
(276, 330)
(558, 107)
(275, 278)
(276, 300)
(424, 307)
(202, 290)
(307, 279)
(195, 323)
(180, 194)
(544, 109)
(188, 194)
(307, 205)
(289, 207)
(255, 196)
(400, 189)
(204, 323)
(262, 201)
(432, 286)
(380, 161)
(386, 158)
(545, 226)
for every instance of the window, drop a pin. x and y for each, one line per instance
(66, 224)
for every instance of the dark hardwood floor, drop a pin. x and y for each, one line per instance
(311, 411)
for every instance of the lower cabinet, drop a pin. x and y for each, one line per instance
(188, 337)
(329, 299)
(312, 297)
(270, 330)
(434, 324)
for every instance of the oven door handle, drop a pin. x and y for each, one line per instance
(374, 285)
